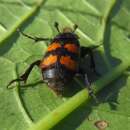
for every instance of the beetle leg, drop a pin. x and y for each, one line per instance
(36, 39)
(26, 74)
(88, 50)
(92, 63)
(88, 86)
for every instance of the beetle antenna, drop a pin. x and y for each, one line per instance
(75, 27)
(56, 24)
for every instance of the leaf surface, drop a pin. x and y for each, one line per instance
(100, 22)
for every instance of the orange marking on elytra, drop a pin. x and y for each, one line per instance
(71, 47)
(48, 61)
(53, 46)
(68, 62)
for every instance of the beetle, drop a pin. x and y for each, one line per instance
(61, 61)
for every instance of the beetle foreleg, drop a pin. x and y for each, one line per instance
(36, 39)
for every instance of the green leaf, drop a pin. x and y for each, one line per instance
(100, 22)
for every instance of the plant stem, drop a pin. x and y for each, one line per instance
(66, 108)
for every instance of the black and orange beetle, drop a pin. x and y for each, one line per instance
(61, 61)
